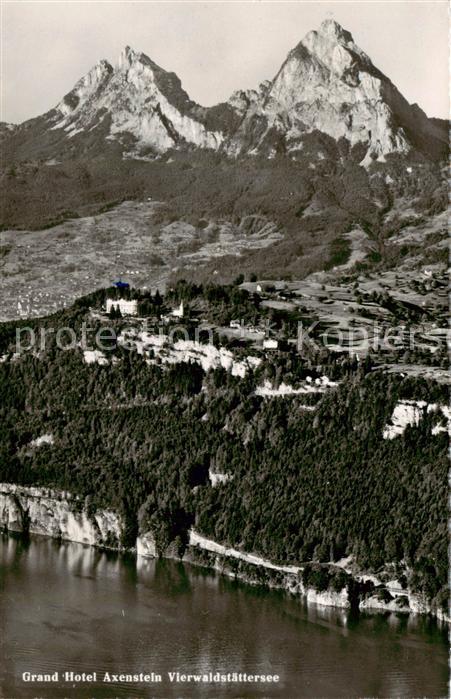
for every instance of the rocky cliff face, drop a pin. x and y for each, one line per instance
(58, 515)
(326, 84)
(139, 99)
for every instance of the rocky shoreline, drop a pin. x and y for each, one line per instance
(61, 515)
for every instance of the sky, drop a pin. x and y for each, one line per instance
(214, 47)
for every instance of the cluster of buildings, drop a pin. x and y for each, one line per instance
(129, 307)
(250, 330)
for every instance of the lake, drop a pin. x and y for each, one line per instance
(66, 607)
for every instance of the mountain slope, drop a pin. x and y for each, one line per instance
(288, 154)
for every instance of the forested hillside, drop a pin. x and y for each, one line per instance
(304, 484)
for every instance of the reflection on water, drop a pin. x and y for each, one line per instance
(68, 607)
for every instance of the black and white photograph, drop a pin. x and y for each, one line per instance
(224, 367)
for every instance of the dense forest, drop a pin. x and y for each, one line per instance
(305, 485)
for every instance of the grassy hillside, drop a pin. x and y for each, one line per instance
(313, 201)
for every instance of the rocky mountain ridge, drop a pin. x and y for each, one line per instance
(326, 84)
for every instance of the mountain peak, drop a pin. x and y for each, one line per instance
(127, 57)
(332, 29)
(333, 48)
(328, 37)
(326, 84)
(139, 62)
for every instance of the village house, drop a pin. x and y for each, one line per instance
(178, 312)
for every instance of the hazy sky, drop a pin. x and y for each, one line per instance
(214, 47)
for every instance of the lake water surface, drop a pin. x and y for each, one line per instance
(66, 607)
